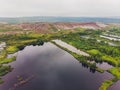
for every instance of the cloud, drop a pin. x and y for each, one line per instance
(59, 8)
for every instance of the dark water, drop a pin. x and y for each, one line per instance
(51, 68)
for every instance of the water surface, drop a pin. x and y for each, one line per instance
(115, 86)
(51, 68)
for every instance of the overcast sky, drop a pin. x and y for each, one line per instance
(97, 8)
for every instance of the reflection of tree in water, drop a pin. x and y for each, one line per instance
(34, 43)
(84, 65)
(21, 81)
(91, 68)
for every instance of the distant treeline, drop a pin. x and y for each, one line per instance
(59, 19)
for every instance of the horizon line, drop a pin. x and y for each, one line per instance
(62, 16)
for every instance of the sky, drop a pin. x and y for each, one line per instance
(71, 8)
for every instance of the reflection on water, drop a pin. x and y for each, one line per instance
(48, 67)
(104, 66)
(116, 86)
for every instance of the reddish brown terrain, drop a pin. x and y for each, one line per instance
(60, 26)
(44, 27)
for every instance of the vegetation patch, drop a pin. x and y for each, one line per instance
(1, 81)
(7, 60)
(106, 84)
(11, 49)
(4, 70)
(94, 52)
(116, 72)
(109, 59)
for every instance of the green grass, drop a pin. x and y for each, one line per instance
(115, 71)
(4, 70)
(3, 54)
(7, 60)
(94, 52)
(110, 60)
(106, 84)
(11, 49)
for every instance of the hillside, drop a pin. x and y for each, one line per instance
(50, 27)
(46, 27)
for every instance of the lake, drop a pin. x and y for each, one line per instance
(48, 67)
